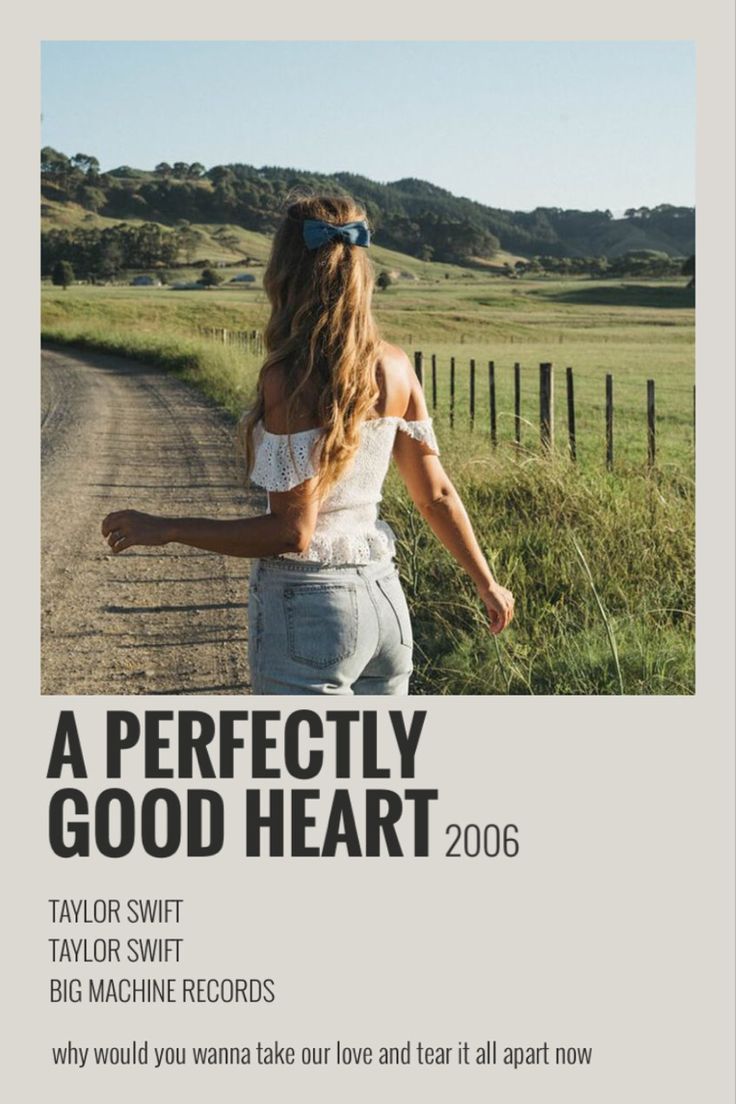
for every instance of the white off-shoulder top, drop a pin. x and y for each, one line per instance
(348, 528)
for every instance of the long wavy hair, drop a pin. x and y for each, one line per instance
(321, 333)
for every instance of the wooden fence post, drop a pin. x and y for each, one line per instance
(571, 415)
(452, 391)
(546, 407)
(517, 403)
(609, 421)
(434, 381)
(492, 401)
(418, 367)
(472, 393)
(651, 424)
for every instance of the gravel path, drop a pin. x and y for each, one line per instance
(171, 620)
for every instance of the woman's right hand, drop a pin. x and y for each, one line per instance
(124, 528)
(499, 604)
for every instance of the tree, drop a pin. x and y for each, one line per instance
(53, 162)
(384, 280)
(112, 257)
(221, 173)
(163, 169)
(210, 278)
(62, 275)
(92, 199)
(86, 164)
(599, 266)
(688, 269)
(187, 238)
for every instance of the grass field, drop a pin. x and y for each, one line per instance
(602, 564)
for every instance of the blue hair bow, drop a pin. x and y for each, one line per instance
(317, 232)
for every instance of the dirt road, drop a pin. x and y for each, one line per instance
(168, 620)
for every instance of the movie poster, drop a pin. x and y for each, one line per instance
(372, 367)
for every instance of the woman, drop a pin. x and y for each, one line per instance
(327, 614)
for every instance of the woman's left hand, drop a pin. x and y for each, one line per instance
(128, 527)
(499, 603)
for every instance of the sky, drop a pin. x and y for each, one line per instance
(511, 124)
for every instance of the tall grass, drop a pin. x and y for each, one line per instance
(602, 569)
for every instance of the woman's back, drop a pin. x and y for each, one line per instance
(348, 529)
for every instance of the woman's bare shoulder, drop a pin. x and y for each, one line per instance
(396, 375)
(402, 390)
(394, 359)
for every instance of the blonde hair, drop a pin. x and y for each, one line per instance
(321, 333)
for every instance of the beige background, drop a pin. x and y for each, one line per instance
(614, 926)
(608, 930)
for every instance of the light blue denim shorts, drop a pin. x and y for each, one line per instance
(327, 628)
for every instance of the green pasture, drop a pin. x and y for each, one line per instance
(635, 331)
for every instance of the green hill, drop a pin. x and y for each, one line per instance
(230, 210)
(228, 244)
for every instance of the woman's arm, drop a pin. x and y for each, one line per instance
(287, 528)
(440, 505)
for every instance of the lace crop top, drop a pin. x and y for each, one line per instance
(348, 528)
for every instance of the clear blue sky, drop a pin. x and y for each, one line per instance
(511, 124)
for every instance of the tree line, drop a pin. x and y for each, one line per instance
(104, 254)
(635, 262)
(409, 215)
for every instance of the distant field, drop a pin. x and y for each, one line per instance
(602, 564)
(634, 330)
